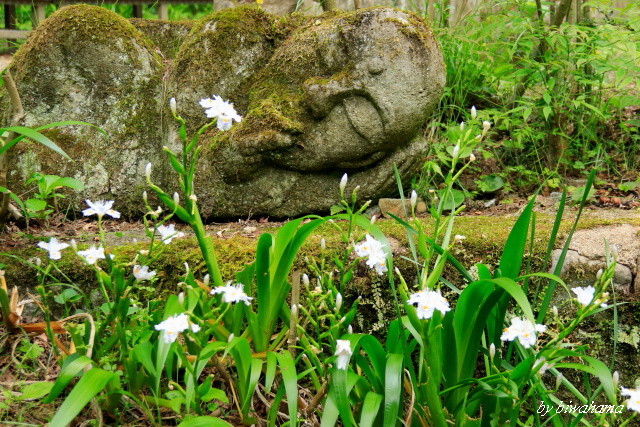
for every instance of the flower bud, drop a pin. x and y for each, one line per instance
(176, 199)
(485, 127)
(555, 311)
(456, 150)
(338, 301)
(599, 274)
(414, 199)
(173, 106)
(474, 113)
(616, 379)
(145, 197)
(397, 270)
(305, 281)
(323, 244)
(186, 267)
(38, 262)
(206, 279)
(193, 198)
(366, 204)
(294, 311)
(472, 157)
(74, 245)
(354, 193)
(181, 297)
(350, 329)
(459, 237)
(492, 351)
(373, 219)
(461, 125)
(343, 183)
(147, 171)
(231, 337)
(143, 252)
(614, 252)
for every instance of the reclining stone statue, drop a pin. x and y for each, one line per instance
(319, 96)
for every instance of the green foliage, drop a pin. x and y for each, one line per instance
(558, 95)
(223, 348)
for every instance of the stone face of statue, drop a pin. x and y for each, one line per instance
(319, 96)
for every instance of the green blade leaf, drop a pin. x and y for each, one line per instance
(73, 365)
(91, 383)
(290, 379)
(31, 134)
(370, 408)
(392, 389)
(204, 421)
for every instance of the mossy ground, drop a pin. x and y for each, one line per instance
(484, 239)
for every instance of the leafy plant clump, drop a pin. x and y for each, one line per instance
(277, 346)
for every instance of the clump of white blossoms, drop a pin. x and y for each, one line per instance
(371, 249)
(174, 325)
(523, 330)
(344, 352)
(633, 403)
(222, 110)
(92, 254)
(426, 302)
(53, 247)
(232, 293)
(100, 208)
(141, 272)
(168, 233)
(585, 296)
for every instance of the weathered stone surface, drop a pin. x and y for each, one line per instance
(586, 254)
(320, 97)
(395, 207)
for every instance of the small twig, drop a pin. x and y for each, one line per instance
(316, 400)
(412, 401)
(293, 321)
(227, 379)
(16, 119)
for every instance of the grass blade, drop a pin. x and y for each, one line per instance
(91, 383)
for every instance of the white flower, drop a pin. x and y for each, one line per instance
(414, 199)
(459, 237)
(633, 404)
(372, 249)
(426, 302)
(142, 273)
(100, 208)
(174, 325)
(474, 113)
(584, 295)
(222, 110)
(344, 352)
(53, 247)
(168, 233)
(173, 106)
(343, 183)
(523, 330)
(232, 293)
(92, 254)
(147, 171)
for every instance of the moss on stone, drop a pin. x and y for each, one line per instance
(82, 24)
(167, 36)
